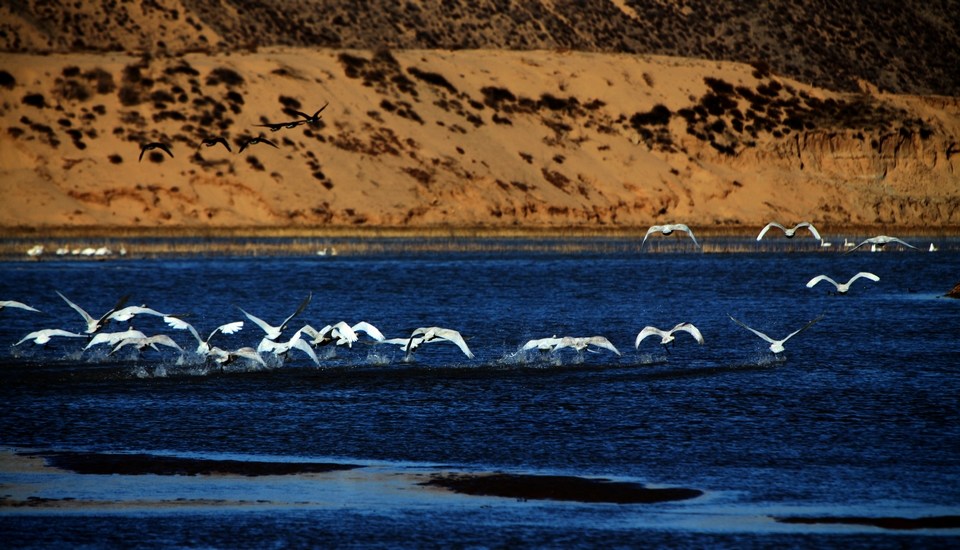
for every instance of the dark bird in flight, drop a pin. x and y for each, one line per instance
(275, 126)
(154, 145)
(210, 142)
(254, 141)
(315, 119)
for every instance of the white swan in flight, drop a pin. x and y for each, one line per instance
(281, 349)
(16, 304)
(341, 333)
(668, 229)
(667, 336)
(273, 332)
(842, 288)
(113, 338)
(41, 337)
(148, 341)
(129, 312)
(776, 346)
(94, 325)
(433, 334)
(581, 343)
(542, 344)
(790, 232)
(880, 241)
(203, 345)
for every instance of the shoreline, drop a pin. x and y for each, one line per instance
(471, 231)
(102, 243)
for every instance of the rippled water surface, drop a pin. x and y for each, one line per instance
(860, 415)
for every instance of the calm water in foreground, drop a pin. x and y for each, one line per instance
(859, 417)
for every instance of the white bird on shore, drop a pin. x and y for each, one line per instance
(129, 312)
(668, 229)
(147, 341)
(281, 349)
(776, 346)
(879, 242)
(113, 338)
(273, 332)
(16, 304)
(94, 325)
(790, 232)
(203, 345)
(667, 336)
(842, 288)
(583, 343)
(41, 337)
(431, 334)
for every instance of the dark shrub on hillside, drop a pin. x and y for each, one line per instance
(658, 116)
(103, 80)
(432, 78)
(34, 100)
(493, 96)
(129, 95)
(7, 80)
(718, 85)
(223, 75)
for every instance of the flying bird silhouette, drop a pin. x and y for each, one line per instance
(256, 140)
(668, 229)
(41, 337)
(94, 325)
(791, 231)
(667, 336)
(315, 118)
(880, 241)
(154, 145)
(776, 346)
(211, 141)
(583, 343)
(842, 288)
(16, 304)
(273, 332)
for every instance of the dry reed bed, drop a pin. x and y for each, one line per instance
(282, 241)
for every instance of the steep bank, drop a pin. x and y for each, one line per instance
(424, 138)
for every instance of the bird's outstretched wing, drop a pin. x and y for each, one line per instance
(685, 229)
(757, 332)
(808, 225)
(690, 329)
(300, 308)
(805, 327)
(648, 331)
(767, 228)
(267, 328)
(179, 324)
(371, 330)
(602, 342)
(16, 304)
(863, 275)
(813, 282)
(228, 328)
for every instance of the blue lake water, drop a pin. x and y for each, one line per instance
(860, 416)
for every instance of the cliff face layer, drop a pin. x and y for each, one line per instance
(907, 46)
(488, 138)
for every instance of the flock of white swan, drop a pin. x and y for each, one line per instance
(308, 339)
(875, 243)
